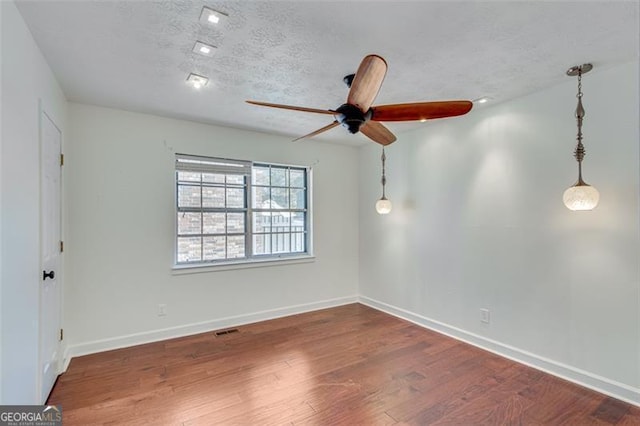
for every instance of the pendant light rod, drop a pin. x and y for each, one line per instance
(579, 152)
(383, 206)
(581, 196)
(384, 177)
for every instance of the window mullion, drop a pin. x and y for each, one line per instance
(201, 222)
(226, 221)
(290, 212)
(248, 220)
(271, 206)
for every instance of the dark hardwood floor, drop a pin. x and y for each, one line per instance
(348, 365)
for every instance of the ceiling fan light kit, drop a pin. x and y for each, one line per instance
(580, 196)
(358, 115)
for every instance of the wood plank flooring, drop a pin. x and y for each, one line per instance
(350, 365)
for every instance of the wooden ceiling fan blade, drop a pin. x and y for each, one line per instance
(317, 132)
(291, 107)
(367, 82)
(377, 132)
(420, 110)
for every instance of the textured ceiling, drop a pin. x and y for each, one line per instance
(136, 55)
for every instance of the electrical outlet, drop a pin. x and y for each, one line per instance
(162, 310)
(485, 316)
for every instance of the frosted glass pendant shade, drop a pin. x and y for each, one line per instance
(383, 206)
(581, 197)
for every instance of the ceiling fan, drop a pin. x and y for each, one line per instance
(357, 114)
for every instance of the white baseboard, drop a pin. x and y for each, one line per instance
(589, 380)
(102, 345)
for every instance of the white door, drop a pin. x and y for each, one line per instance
(50, 292)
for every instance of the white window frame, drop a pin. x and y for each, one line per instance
(204, 164)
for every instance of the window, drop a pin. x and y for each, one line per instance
(239, 211)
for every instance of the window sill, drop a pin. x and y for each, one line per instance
(253, 263)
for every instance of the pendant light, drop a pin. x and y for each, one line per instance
(580, 196)
(383, 206)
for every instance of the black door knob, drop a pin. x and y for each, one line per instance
(49, 274)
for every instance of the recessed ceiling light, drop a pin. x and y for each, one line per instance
(204, 49)
(211, 17)
(422, 120)
(482, 100)
(197, 81)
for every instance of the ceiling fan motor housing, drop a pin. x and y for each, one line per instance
(351, 117)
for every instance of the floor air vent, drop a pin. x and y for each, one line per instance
(223, 332)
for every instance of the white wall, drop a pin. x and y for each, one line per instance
(26, 78)
(478, 222)
(119, 179)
